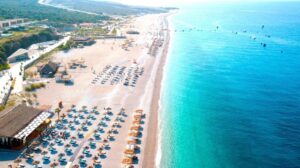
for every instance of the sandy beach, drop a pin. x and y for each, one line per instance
(117, 74)
(151, 144)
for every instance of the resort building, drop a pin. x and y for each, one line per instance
(84, 41)
(19, 55)
(86, 25)
(11, 22)
(48, 70)
(20, 125)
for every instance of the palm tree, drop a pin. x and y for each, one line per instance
(63, 116)
(57, 110)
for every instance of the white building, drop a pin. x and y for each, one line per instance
(19, 55)
(10, 22)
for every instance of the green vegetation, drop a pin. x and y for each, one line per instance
(114, 32)
(10, 103)
(33, 10)
(70, 44)
(97, 31)
(4, 66)
(34, 86)
(23, 39)
(102, 7)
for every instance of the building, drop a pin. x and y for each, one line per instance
(22, 124)
(84, 41)
(86, 25)
(48, 70)
(19, 55)
(133, 32)
(11, 22)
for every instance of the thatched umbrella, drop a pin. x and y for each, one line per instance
(54, 164)
(19, 160)
(127, 160)
(129, 152)
(36, 162)
(44, 152)
(75, 166)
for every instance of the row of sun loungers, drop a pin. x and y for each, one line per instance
(75, 138)
(116, 75)
(155, 46)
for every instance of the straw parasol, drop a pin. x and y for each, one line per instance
(19, 160)
(129, 152)
(127, 160)
(44, 152)
(133, 133)
(136, 122)
(131, 142)
(36, 162)
(139, 111)
(75, 166)
(135, 128)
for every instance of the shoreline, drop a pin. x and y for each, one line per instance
(151, 145)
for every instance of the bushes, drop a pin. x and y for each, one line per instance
(10, 103)
(33, 10)
(34, 86)
(2, 107)
(70, 44)
(4, 66)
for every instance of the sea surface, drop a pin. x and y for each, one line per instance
(228, 101)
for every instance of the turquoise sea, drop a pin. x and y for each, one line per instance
(228, 101)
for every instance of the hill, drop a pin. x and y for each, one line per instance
(33, 10)
(103, 7)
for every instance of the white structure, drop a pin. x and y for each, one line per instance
(11, 22)
(20, 55)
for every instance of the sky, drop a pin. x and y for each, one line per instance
(156, 2)
(178, 2)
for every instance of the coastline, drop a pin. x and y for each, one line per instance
(151, 145)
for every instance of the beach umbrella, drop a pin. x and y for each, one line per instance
(75, 166)
(36, 162)
(54, 164)
(19, 160)
(44, 152)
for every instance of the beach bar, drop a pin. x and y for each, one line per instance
(21, 124)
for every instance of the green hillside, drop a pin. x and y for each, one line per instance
(31, 9)
(103, 7)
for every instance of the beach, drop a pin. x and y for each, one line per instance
(151, 146)
(115, 74)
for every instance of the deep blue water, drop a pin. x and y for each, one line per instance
(229, 102)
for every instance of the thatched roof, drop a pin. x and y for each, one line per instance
(49, 68)
(14, 120)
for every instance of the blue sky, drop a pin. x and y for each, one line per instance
(178, 2)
